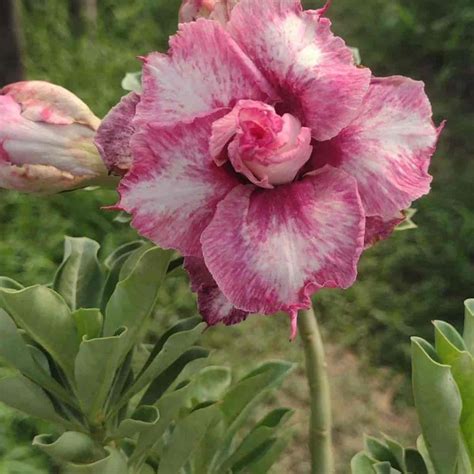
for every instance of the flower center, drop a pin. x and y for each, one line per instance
(267, 148)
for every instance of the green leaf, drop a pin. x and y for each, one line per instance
(266, 456)
(414, 462)
(46, 318)
(119, 252)
(185, 438)
(132, 82)
(398, 453)
(79, 278)
(141, 420)
(361, 463)
(243, 396)
(257, 442)
(422, 449)
(95, 368)
(171, 350)
(20, 393)
(71, 446)
(6, 282)
(469, 325)
(379, 451)
(166, 378)
(452, 352)
(114, 463)
(29, 360)
(134, 297)
(385, 468)
(169, 407)
(88, 323)
(438, 404)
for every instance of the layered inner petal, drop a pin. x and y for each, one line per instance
(114, 134)
(213, 305)
(269, 250)
(387, 147)
(265, 147)
(312, 69)
(174, 185)
(205, 70)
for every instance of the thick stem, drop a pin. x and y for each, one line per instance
(320, 438)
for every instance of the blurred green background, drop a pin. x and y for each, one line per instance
(404, 283)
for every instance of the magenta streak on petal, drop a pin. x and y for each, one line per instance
(205, 70)
(114, 134)
(388, 146)
(174, 185)
(312, 69)
(379, 229)
(269, 250)
(213, 305)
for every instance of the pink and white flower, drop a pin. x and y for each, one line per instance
(265, 156)
(46, 139)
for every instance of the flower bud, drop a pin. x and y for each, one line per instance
(47, 139)
(218, 10)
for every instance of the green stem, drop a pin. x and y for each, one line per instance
(320, 438)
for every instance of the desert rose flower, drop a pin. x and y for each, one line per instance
(46, 139)
(270, 160)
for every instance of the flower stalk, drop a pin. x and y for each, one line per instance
(320, 436)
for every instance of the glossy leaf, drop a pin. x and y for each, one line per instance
(361, 463)
(134, 297)
(22, 394)
(379, 451)
(438, 404)
(452, 351)
(166, 378)
(414, 462)
(71, 446)
(114, 463)
(185, 438)
(88, 323)
(6, 282)
(118, 253)
(172, 349)
(79, 278)
(257, 442)
(50, 324)
(385, 468)
(243, 397)
(469, 325)
(95, 368)
(141, 420)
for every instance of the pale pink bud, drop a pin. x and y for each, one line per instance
(46, 139)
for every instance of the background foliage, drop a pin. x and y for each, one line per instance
(404, 283)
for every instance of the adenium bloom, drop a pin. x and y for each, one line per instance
(265, 156)
(46, 139)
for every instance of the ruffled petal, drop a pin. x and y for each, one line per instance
(388, 147)
(174, 185)
(214, 307)
(297, 52)
(114, 134)
(269, 250)
(205, 70)
(378, 229)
